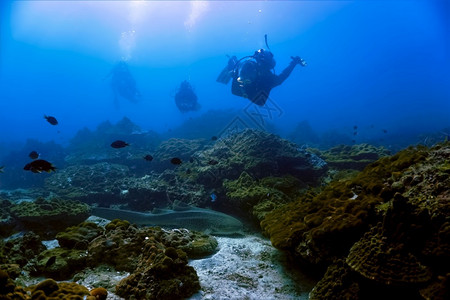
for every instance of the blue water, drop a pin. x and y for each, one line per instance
(380, 65)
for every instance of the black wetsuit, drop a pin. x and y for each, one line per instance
(256, 81)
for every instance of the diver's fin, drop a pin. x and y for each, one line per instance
(224, 76)
(227, 72)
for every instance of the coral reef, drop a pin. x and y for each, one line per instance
(336, 283)
(47, 217)
(258, 153)
(405, 194)
(161, 274)
(79, 237)
(59, 263)
(256, 198)
(7, 223)
(355, 157)
(195, 244)
(89, 183)
(20, 250)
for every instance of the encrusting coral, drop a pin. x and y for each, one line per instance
(406, 194)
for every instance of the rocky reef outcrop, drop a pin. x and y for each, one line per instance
(387, 227)
(356, 157)
(46, 217)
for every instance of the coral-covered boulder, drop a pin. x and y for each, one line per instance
(355, 157)
(21, 249)
(195, 244)
(59, 263)
(161, 274)
(258, 153)
(47, 217)
(119, 246)
(78, 237)
(89, 183)
(50, 289)
(376, 258)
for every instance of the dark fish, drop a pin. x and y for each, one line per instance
(148, 157)
(355, 133)
(51, 120)
(188, 171)
(1, 169)
(50, 261)
(353, 141)
(33, 155)
(213, 162)
(191, 160)
(176, 161)
(214, 138)
(384, 131)
(119, 144)
(355, 127)
(39, 166)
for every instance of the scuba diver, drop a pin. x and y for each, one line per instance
(253, 76)
(123, 83)
(186, 99)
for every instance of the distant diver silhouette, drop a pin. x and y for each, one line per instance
(186, 99)
(123, 83)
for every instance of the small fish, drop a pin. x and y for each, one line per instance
(214, 138)
(355, 127)
(191, 160)
(176, 161)
(33, 155)
(355, 133)
(1, 169)
(213, 197)
(119, 144)
(39, 166)
(50, 261)
(213, 162)
(188, 171)
(148, 157)
(384, 130)
(51, 120)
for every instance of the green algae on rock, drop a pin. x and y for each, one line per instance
(78, 237)
(355, 157)
(47, 217)
(60, 263)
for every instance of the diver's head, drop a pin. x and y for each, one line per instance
(265, 58)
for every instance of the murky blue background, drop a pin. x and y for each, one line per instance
(375, 64)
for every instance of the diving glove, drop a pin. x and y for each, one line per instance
(298, 60)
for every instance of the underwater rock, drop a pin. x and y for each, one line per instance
(59, 263)
(119, 246)
(376, 258)
(89, 183)
(21, 249)
(78, 237)
(337, 283)
(7, 223)
(50, 289)
(256, 197)
(195, 244)
(355, 157)
(324, 226)
(258, 153)
(157, 190)
(161, 274)
(47, 217)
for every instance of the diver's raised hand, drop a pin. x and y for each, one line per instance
(298, 60)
